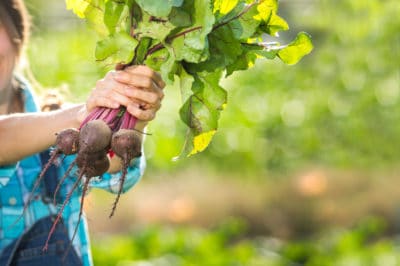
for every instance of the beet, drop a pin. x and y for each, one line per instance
(126, 144)
(93, 164)
(94, 136)
(67, 141)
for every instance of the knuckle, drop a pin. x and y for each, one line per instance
(109, 75)
(134, 93)
(147, 83)
(99, 83)
(153, 98)
(146, 70)
(123, 75)
(140, 114)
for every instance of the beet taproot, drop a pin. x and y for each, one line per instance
(94, 136)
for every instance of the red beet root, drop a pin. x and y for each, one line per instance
(95, 136)
(93, 164)
(67, 141)
(126, 144)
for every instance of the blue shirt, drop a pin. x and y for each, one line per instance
(16, 182)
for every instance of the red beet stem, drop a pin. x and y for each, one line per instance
(125, 121)
(121, 184)
(84, 191)
(95, 114)
(132, 122)
(112, 116)
(69, 195)
(105, 113)
(62, 181)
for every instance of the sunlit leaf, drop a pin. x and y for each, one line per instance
(276, 24)
(116, 14)
(224, 6)
(300, 47)
(201, 141)
(265, 8)
(78, 6)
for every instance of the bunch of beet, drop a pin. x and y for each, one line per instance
(104, 133)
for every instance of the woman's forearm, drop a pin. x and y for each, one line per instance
(25, 134)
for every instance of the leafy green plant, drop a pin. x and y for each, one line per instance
(197, 41)
(164, 245)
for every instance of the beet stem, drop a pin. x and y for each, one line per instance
(132, 122)
(84, 191)
(62, 181)
(68, 197)
(125, 121)
(112, 116)
(96, 113)
(121, 184)
(106, 112)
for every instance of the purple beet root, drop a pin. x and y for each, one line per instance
(94, 136)
(93, 164)
(127, 144)
(67, 141)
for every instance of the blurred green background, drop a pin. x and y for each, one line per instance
(304, 168)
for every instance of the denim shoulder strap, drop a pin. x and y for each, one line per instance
(50, 179)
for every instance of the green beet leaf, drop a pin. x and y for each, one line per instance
(300, 47)
(201, 110)
(94, 15)
(276, 24)
(245, 26)
(78, 6)
(158, 8)
(154, 28)
(224, 6)
(117, 48)
(193, 44)
(179, 17)
(224, 49)
(117, 16)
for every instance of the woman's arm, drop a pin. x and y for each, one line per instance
(138, 88)
(25, 134)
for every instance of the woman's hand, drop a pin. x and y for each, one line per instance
(138, 88)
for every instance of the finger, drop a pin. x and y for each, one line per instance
(146, 106)
(115, 91)
(138, 79)
(148, 96)
(102, 102)
(142, 95)
(148, 72)
(143, 115)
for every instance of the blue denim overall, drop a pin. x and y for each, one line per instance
(27, 250)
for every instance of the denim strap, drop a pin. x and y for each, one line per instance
(50, 179)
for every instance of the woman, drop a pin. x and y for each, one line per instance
(25, 132)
